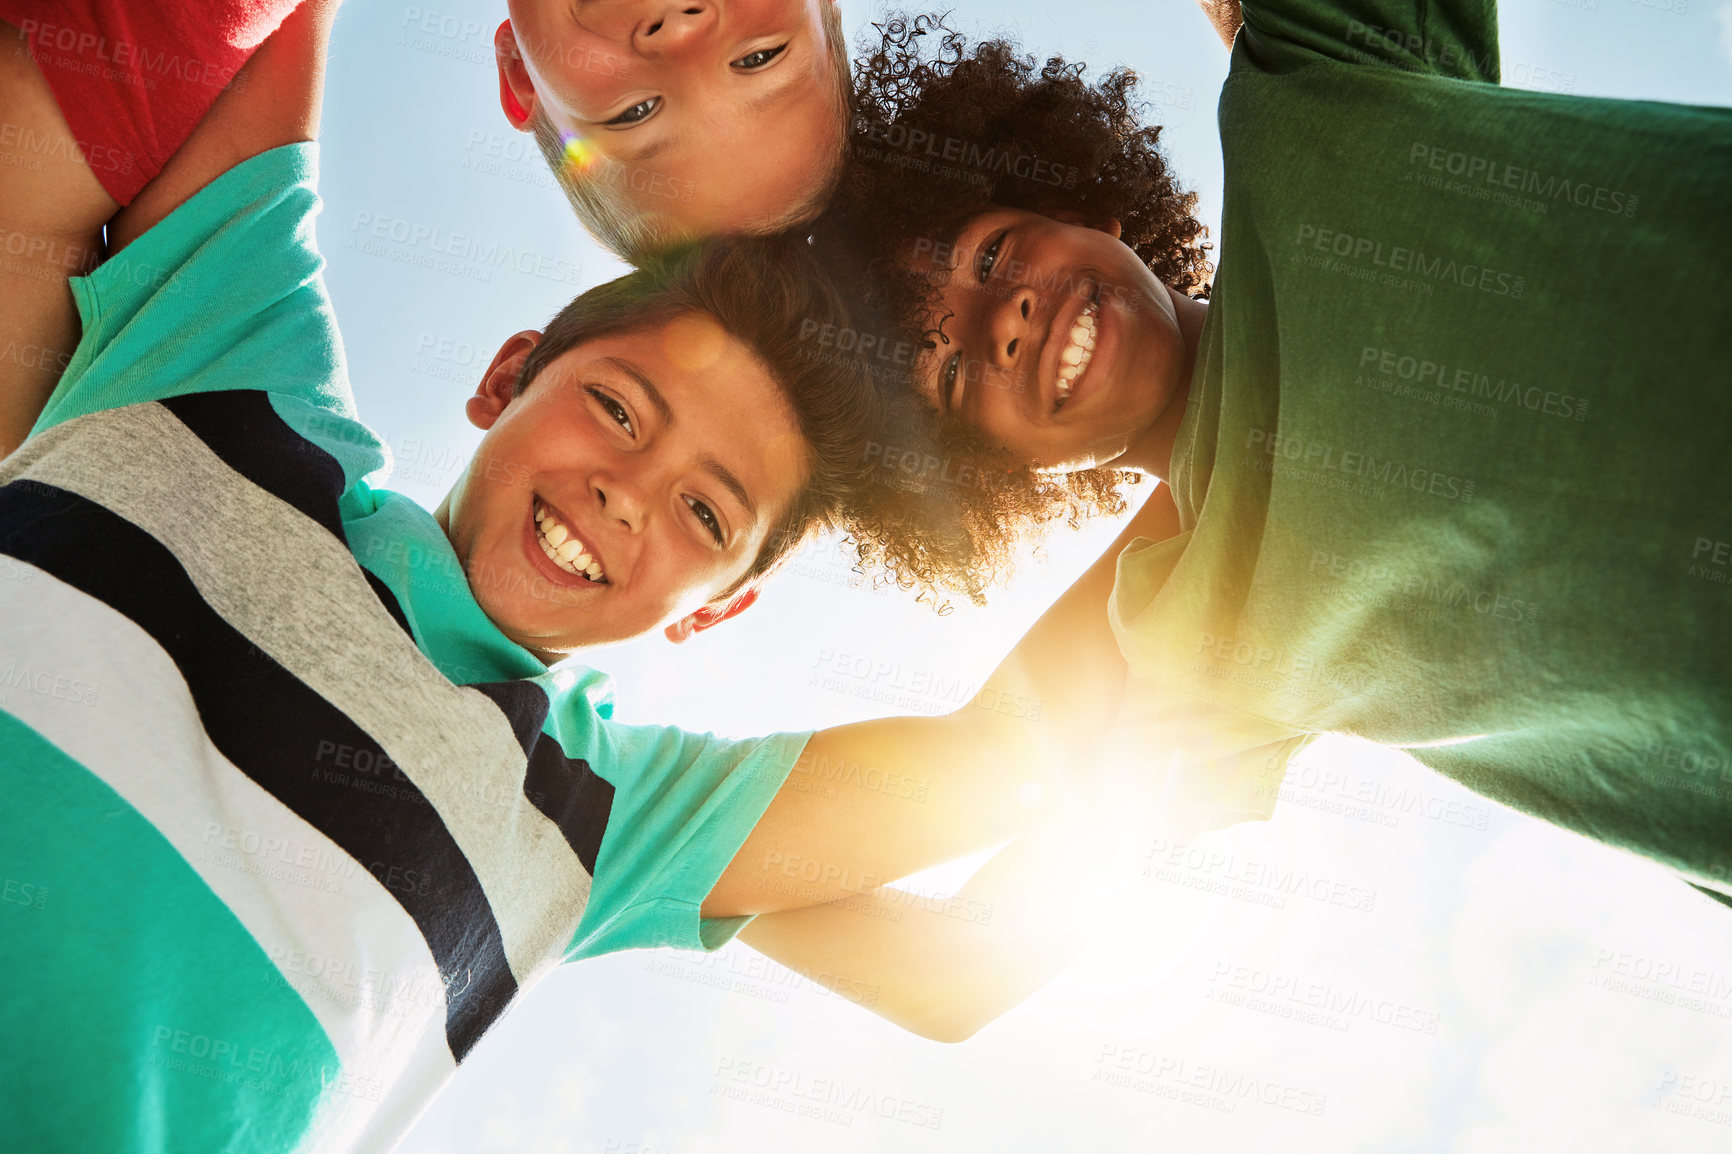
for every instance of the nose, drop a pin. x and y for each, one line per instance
(619, 500)
(674, 29)
(1010, 326)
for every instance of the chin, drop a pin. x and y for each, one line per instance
(550, 647)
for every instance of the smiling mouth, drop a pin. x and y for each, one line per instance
(563, 548)
(1074, 358)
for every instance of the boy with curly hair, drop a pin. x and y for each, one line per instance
(1447, 447)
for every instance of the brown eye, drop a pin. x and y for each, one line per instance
(987, 259)
(947, 381)
(755, 60)
(615, 410)
(637, 113)
(706, 517)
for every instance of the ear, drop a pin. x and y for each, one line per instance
(516, 90)
(498, 388)
(1109, 225)
(711, 616)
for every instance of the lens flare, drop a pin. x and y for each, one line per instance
(579, 156)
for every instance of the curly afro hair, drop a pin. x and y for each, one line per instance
(943, 130)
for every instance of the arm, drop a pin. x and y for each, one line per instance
(840, 810)
(1225, 16)
(51, 217)
(58, 209)
(274, 100)
(943, 968)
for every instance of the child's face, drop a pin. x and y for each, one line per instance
(721, 115)
(1060, 346)
(653, 464)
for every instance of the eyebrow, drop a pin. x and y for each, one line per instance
(951, 235)
(723, 474)
(662, 408)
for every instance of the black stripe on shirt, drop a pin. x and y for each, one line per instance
(282, 735)
(572, 796)
(242, 428)
(524, 704)
(389, 600)
(564, 788)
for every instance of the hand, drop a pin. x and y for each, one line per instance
(1226, 16)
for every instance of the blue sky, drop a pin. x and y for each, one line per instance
(1512, 987)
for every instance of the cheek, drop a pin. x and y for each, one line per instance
(785, 12)
(585, 74)
(673, 576)
(1001, 420)
(496, 477)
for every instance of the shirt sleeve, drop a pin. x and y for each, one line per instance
(226, 292)
(1207, 766)
(1452, 38)
(683, 804)
(134, 80)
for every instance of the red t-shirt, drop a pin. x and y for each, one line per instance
(134, 79)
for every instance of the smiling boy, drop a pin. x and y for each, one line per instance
(1445, 434)
(646, 462)
(669, 121)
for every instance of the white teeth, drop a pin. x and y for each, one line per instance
(1076, 354)
(562, 548)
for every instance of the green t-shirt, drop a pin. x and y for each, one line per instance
(289, 822)
(1453, 474)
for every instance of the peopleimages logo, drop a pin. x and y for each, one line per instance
(1401, 259)
(966, 154)
(119, 61)
(788, 1090)
(1470, 383)
(1303, 454)
(1524, 181)
(463, 254)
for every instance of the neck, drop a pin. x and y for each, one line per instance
(443, 515)
(1152, 452)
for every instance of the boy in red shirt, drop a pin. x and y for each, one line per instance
(99, 96)
(662, 122)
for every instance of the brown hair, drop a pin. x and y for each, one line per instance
(1015, 133)
(637, 236)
